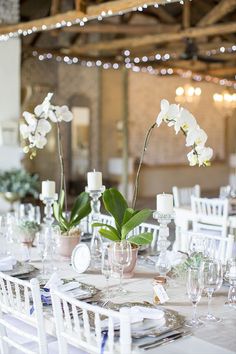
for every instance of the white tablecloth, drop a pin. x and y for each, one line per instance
(216, 338)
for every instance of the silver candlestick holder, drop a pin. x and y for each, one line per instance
(163, 264)
(95, 196)
(96, 241)
(48, 209)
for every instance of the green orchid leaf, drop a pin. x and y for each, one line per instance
(141, 239)
(111, 228)
(109, 235)
(56, 211)
(129, 212)
(135, 221)
(115, 204)
(81, 207)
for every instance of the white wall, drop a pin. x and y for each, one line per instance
(10, 57)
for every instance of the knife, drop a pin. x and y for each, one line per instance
(168, 339)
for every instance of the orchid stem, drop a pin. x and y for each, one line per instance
(135, 193)
(62, 165)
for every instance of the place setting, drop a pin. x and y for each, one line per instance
(117, 177)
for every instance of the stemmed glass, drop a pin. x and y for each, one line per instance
(121, 257)
(194, 290)
(41, 249)
(106, 269)
(212, 278)
(3, 233)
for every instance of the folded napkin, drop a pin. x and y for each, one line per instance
(138, 314)
(7, 263)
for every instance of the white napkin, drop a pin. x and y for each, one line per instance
(138, 314)
(53, 282)
(7, 263)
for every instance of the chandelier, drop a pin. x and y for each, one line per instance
(187, 93)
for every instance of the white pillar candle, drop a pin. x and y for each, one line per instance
(94, 180)
(48, 189)
(164, 203)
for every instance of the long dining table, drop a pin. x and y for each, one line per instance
(217, 338)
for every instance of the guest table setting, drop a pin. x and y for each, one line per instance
(165, 295)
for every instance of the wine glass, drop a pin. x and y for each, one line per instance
(194, 290)
(3, 232)
(212, 278)
(106, 269)
(41, 249)
(121, 257)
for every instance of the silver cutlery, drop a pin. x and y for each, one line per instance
(168, 339)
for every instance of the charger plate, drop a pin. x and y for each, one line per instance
(20, 268)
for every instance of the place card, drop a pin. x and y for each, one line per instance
(160, 295)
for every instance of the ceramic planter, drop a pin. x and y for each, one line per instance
(68, 242)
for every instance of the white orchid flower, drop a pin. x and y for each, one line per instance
(25, 131)
(169, 112)
(40, 141)
(192, 158)
(204, 155)
(196, 137)
(43, 127)
(63, 114)
(185, 121)
(42, 109)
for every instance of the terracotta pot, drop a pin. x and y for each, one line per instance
(128, 270)
(68, 243)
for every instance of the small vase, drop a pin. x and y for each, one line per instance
(67, 243)
(128, 270)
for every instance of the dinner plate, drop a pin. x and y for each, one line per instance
(80, 258)
(20, 269)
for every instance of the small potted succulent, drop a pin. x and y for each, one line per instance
(27, 231)
(69, 224)
(126, 220)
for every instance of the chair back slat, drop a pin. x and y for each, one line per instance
(18, 298)
(182, 196)
(94, 321)
(210, 214)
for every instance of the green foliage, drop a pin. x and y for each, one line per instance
(20, 182)
(80, 209)
(191, 261)
(126, 219)
(29, 226)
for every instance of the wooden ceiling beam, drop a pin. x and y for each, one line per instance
(114, 7)
(135, 42)
(218, 12)
(55, 7)
(162, 14)
(122, 28)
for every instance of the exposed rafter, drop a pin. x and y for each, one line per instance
(122, 28)
(157, 38)
(109, 8)
(186, 15)
(219, 11)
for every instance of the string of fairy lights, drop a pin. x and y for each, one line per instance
(139, 66)
(82, 21)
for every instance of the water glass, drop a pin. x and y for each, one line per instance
(194, 291)
(3, 233)
(212, 278)
(106, 269)
(96, 249)
(121, 258)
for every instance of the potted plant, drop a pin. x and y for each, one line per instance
(16, 184)
(27, 231)
(126, 220)
(70, 232)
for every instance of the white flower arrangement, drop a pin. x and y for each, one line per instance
(38, 124)
(182, 120)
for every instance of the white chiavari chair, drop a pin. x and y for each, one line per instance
(73, 326)
(22, 328)
(182, 196)
(210, 215)
(146, 227)
(219, 247)
(224, 191)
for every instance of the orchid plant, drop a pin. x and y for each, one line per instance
(182, 120)
(38, 124)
